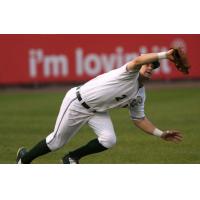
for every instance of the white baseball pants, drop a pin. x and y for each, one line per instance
(72, 116)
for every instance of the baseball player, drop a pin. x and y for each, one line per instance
(90, 103)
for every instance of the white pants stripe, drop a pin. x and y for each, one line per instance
(57, 127)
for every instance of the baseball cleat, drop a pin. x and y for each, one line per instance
(69, 160)
(20, 153)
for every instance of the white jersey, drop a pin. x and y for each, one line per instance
(116, 88)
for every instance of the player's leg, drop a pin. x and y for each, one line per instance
(103, 127)
(66, 126)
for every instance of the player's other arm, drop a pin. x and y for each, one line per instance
(136, 63)
(148, 127)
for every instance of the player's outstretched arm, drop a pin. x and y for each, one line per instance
(137, 63)
(148, 127)
(172, 135)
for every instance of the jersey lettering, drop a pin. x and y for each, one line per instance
(137, 101)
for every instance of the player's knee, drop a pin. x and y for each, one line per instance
(108, 141)
(54, 144)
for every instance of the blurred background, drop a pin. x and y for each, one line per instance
(49, 59)
(37, 70)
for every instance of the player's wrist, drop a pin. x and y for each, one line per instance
(162, 55)
(157, 132)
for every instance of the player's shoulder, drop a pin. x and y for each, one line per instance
(120, 69)
(123, 73)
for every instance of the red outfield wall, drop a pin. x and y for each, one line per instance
(27, 59)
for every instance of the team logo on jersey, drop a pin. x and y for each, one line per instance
(136, 102)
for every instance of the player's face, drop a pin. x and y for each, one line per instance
(146, 71)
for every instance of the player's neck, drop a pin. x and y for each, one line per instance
(142, 80)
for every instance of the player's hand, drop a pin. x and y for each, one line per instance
(172, 135)
(170, 55)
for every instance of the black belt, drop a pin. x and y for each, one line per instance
(82, 102)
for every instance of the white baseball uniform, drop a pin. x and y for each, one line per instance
(90, 104)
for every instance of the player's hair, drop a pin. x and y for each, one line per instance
(155, 64)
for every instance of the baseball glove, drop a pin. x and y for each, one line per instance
(180, 60)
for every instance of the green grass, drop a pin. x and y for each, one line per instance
(26, 118)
